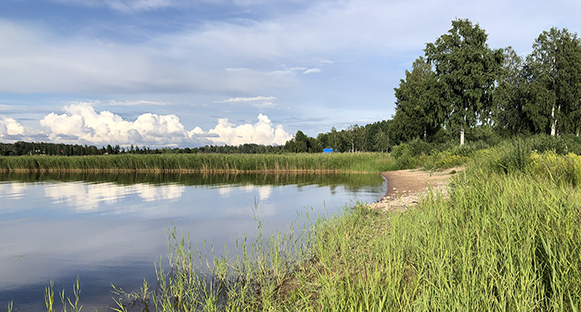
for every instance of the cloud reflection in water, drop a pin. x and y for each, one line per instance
(88, 197)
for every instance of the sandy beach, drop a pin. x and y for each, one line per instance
(405, 187)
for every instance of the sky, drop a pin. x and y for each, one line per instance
(177, 73)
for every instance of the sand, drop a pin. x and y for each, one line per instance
(405, 187)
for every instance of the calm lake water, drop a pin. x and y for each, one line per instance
(111, 228)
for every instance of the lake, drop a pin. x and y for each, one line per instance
(111, 228)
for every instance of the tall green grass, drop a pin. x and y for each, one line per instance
(505, 240)
(358, 162)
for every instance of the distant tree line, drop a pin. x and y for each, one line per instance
(369, 138)
(57, 149)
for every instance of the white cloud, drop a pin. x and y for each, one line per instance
(126, 5)
(81, 124)
(9, 126)
(137, 103)
(312, 71)
(12, 130)
(257, 101)
(261, 132)
(36, 59)
(248, 99)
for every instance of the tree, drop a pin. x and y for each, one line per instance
(419, 99)
(467, 69)
(334, 139)
(510, 96)
(555, 70)
(301, 142)
(381, 141)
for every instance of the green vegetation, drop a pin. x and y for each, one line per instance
(507, 237)
(58, 149)
(359, 162)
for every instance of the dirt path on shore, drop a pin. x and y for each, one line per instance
(405, 187)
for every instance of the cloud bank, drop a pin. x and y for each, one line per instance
(81, 124)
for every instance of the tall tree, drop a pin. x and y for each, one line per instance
(467, 69)
(419, 98)
(555, 66)
(510, 97)
(381, 141)
(301, 142)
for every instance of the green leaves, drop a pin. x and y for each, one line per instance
(420, 106)
(554, 69)
(467, 69)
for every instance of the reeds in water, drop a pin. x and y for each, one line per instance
(356, 162)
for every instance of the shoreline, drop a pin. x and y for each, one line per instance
(406, 187)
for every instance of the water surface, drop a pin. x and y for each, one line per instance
(110, 228)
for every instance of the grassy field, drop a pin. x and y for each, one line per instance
(347, 162)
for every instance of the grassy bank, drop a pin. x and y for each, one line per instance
(508, 238)
(348, 162)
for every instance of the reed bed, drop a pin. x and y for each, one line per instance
(353, 162)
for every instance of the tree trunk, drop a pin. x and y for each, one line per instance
(461, 135)
(554, 123)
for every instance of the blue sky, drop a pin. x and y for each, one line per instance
(190, 73)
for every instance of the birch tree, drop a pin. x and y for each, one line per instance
(555, 66)
(467, 69)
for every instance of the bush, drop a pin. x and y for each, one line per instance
(514, 156)
(407, 155)
(558, 169)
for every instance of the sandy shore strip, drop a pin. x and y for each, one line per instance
(405, 187)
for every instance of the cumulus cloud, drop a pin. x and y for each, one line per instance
(81, 124)
(12, 130)
(9, 126)
(261, 132)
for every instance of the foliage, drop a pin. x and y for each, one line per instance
(419, 108)
(55, 149)
(555, 82)
(510, 96)
(558, 169)
(467, 69)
